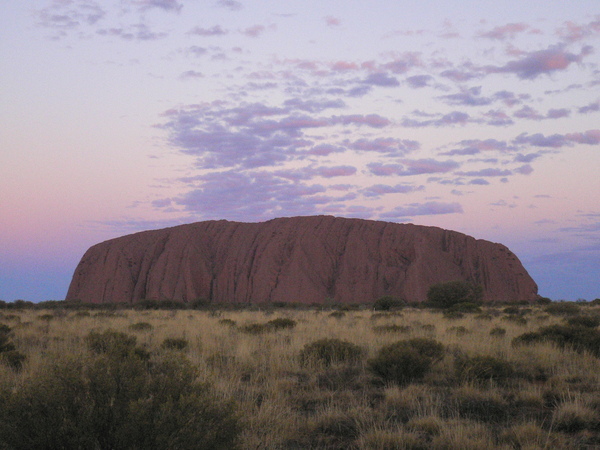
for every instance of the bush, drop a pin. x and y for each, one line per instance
(175, 344)
(6, 344)
(110, 342)
(255, 328)
(388, 303)
(447, 295)
(330, 351)
(107, 402)
(140, 326)
(584, 321)
(227, 322)
(563, 309)
(13, 359)
(406, 361)
(483, 368)
(393, 328)
(576, 337)
(281, 323)
(497, 332)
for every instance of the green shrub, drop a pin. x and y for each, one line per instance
(281, 323)
(483, 368)
(111, 342)
(388, 303)
(255, 328)
(140, 326)
(406, 361)
(576, 337)
(108, 402)
(516, 319)
(466, 307)
(391, 328)
(446, 295)
(337, 314)
(497, 332)
(330, 351)
(6, 344)
(227, 322)
(459, 331)
(563, 309)
(480, 406)
(13, 359)
(175, 344)
(584, 321)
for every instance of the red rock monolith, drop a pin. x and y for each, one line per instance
(296, 260)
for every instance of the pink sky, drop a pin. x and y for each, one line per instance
(125, 115)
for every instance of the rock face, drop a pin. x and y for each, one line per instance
(298, 259)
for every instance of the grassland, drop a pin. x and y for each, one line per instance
(485, 390)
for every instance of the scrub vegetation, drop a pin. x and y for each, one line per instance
(403, 377)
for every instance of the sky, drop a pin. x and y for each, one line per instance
(477, 116)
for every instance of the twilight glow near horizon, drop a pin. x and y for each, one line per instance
(126, 115)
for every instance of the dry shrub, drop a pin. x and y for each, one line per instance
(405, 361)
(391, 328)
(399, 439)
(498, 332)
(574, 416)
(563, 309)
(526, 436)
(175, 344)
(486, 406)
(579, 338)
(483, 368)
(330, 351)
(281, 323)
(140, 326)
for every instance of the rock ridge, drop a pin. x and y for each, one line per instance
(309, 259)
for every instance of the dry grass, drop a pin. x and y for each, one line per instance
(551, 399)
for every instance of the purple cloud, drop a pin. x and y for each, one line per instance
(412, 167)
(497, 118)
(254, 31)
(371, 120)
(490, 172)
(459, 75)
(389, 146)
(65, 16)
(589, 137)
(592, 107)
(540, 62)
(419, 81)
(166, 5)
(313, 106)
(474, 146)
(527, 112)
(377, 190)
(450, 119)
(467, 97)
(508, 31)
(558, 113)
(381, 79)
(332, 21)
(139, 32)
(572, 32)
(217, 30)
(422, 209)
(232, 5)
(336, 171)
(191, 74)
